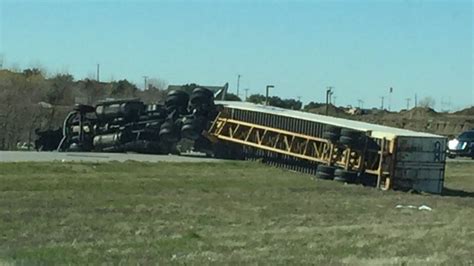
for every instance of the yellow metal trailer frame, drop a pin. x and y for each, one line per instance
(364, 160)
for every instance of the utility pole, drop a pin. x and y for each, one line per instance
(266, 94)
(360, 103)
(381, 106)
(98, 72)
(416, 100)
(145, 78)
(238, 84)
(246, 91)
(408, 103)
(390, 99)
(333, 100)
(328, 94)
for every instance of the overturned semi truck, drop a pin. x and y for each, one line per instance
(326, 147)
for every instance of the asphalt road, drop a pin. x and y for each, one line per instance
(33, 156)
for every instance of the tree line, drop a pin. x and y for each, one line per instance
(29, 100)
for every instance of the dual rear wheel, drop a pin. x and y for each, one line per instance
(331, 172)
(341, 136)
(344, 136)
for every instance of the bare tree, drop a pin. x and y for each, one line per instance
(91, 75)
(427, 102)
(157, 83)
(155, 91)
(25, 93)
(42, 69)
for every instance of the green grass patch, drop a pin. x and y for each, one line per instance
(223, 213)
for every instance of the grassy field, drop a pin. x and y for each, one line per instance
(223, 213)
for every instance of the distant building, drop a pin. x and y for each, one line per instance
(219, 91)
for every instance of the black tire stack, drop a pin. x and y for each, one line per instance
(176, 105)
(337, 174)
(352, 139)
(130, 125)
(202, 109)
(332, 133)
(177, 101)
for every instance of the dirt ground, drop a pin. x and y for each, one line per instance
(417, 119)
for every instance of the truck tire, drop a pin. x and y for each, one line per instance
(325, 172)
(192, 127)
(332, 133)
(201, 100)
(177, 98)
(351, 138)
(347, 141)
(331, 136)
(343, 175)
(204, 91)
(169, 132)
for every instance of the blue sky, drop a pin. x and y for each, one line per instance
(360, 47)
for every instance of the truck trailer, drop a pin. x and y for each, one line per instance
(332, 148)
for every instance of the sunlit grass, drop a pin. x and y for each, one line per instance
(236, 212)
